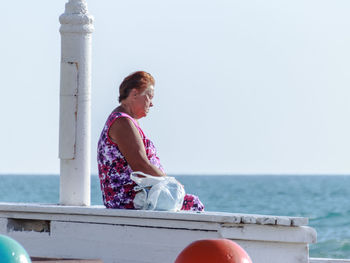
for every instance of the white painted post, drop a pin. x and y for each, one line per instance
(74, 134)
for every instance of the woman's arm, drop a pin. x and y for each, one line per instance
(124, 133)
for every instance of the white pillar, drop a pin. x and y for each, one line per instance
(74, 135)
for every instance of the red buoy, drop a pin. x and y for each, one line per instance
(213, 251)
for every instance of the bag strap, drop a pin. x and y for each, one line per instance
(146, 180)
(133, 174)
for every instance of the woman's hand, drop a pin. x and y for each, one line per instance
(124, 133)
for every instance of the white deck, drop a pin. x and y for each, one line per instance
(147, 236)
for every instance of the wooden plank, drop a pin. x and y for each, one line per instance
(328, 260)
(300, 221)
(61, 260)
(283, 221)
(144, 222)
(100, 211)
(268, 233)
(268, 220)
(247, 219)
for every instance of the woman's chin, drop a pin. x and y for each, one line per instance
(142, 115)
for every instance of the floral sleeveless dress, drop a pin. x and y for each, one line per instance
(114, 171)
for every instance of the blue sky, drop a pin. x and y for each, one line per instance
(242, 87)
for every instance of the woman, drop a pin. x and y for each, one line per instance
(124, 148)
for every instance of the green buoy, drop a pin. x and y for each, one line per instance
(12, 252)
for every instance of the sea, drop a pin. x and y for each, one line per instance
(325, 200)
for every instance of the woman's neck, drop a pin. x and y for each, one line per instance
(124, 107)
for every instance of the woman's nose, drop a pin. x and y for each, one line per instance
(151, 104)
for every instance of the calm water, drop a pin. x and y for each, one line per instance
(323, 199)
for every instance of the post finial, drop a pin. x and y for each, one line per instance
(76, 18)
(76, 7)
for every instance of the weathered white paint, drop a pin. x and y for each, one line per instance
(148, 236)
(47, 260)
(74, 146)
(37, 211)
(328, 260)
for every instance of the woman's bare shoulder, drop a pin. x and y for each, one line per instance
(123, 121)
(123, 127)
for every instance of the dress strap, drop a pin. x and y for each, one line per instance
(118, 114)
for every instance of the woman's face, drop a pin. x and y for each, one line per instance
(143, 101)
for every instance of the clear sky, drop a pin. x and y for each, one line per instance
(242, 87)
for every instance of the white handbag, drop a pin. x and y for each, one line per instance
(157, 193)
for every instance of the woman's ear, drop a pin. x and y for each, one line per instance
(133, 93)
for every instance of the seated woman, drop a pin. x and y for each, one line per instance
(123, 147)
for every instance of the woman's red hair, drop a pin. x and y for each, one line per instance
(138, 80)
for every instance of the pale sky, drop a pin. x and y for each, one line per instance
(242, 87)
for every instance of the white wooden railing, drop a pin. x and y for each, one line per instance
(114, 235)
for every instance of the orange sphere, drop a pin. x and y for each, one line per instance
(213, 251)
